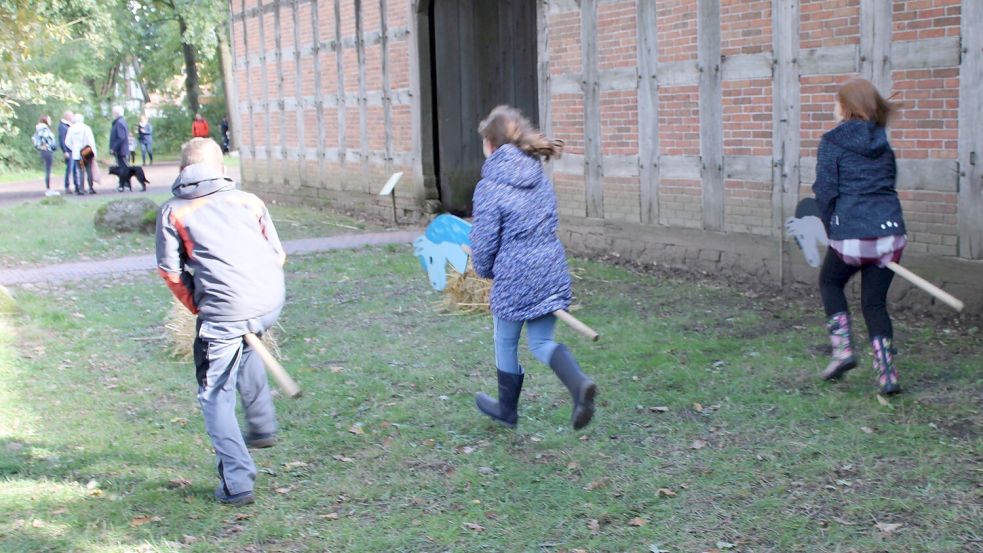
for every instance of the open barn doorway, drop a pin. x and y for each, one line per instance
(475, 55)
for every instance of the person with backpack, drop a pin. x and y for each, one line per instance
(44, 143)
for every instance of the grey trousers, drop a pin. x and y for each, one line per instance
(225, 364)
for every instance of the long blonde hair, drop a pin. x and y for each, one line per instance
(859, 99)
(507, 125)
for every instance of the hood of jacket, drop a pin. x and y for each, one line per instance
(865, 138)
(511, 166)
(200, 179)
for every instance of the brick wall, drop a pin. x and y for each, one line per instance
(924, 76)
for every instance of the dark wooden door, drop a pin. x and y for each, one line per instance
(483, 55)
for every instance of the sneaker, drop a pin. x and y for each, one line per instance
(236, 500)
(259, 441)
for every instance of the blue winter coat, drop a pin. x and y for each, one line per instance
(62, 131)
(855, 182)
(513, 237)
(119, 138)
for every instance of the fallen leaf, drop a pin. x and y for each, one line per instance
(294, 465)
(637, 521)
(659, 409)
(188, 540)
(96, 493)
(584, 438)
(429, 442)
(140, 520)
(283, 490)
(180, 421)
(888, 528)
(665, 492)
(336, 369)
(474, 527)
(357, 429)
(243, 516)
(866, 430)
(654, 548)
(178, 483)
(597, 484)
(883, 401)
(37, 523)
(343, 459)
(595, 526)
(725, 545)
(572, 465)
(697, 407)
(59, 511)
(697, 444)
(329, 516)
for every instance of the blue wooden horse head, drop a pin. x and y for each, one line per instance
(441, 244)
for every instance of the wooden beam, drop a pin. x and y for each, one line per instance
(387, 102)
(267, 119)
(786, 113)
(340, 55)
(593, 172)
(875, 43)
(280, 106)
(711, 113)
(299, 94)
(648, 111)
(249, 91)
(363, 113)
(318, 94)
(829, 60)
(543, 66)
(970, 214)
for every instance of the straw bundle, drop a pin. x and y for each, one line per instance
(180, 333)
(467, 292)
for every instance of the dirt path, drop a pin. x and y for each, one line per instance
(161, 176)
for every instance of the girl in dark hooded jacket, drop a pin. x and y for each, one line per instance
(514, 242)
(855, 190)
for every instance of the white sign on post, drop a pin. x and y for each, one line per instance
(391, 184)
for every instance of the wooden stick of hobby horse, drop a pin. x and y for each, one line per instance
(561, 314)
(287, 384)
(927, 286)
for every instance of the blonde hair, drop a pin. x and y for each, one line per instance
(201, 150)
(860, 100)
(506, 125)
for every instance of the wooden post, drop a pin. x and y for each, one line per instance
(387, 101)
(249, 90)
(711, 114)
(543, 57)
(648, 111)
(875, 43)
(268, 146)
(342, 102)
(970, 213)
(786, 112)
(318, 95)
(299, 95)
(363, 113)
(281, 106)
(227, 58)
(593, 173)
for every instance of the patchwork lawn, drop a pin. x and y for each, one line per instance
(713, 432)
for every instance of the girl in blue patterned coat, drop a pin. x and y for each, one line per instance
(514, 243)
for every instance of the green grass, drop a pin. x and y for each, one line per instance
(103, 448)
(7, 177)
(44, 232)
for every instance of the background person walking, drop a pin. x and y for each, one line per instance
(145, 136)
(63, 126)
(82, 144)
(119, 141)
(199, 127)
(44, 143)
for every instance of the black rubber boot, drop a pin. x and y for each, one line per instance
(582, 388)
(505, 410)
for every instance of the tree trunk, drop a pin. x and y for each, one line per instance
(190, 69)
(229, 85)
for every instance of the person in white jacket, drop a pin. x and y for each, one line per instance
(79, 136)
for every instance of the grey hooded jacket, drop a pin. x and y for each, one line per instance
(217, 248)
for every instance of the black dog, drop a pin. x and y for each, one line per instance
(127, 173)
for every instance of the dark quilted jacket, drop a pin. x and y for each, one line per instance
(513, 237)
(855, 178)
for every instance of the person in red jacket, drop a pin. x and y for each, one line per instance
(199, 128)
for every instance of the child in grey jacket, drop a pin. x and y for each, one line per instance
(219, 253)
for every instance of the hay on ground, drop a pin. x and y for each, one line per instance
(467, 292)
(180, 333)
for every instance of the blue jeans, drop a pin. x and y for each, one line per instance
(145, 151)
(539, 335)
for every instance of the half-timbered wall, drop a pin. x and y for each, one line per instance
(691, 125)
